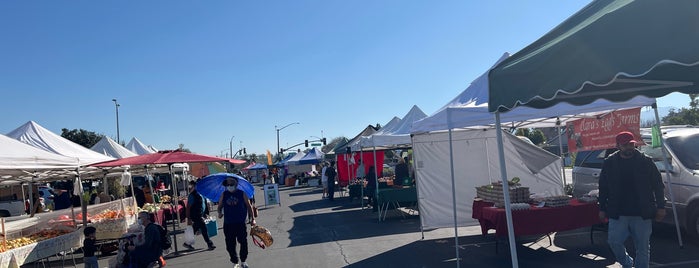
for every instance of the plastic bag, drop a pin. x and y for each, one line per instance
(189, 236)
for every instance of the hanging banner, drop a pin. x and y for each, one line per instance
(600, 132)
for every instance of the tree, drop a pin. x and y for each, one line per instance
(81, 136)
(522, 132)
(181, 148)
(252, 158)
(331, 145)
(684, 116)
(535, 135)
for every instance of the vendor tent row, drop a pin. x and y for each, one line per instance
(577, 70)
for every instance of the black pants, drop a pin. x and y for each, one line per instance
(331, 190)
(236, 232)
(198, 224)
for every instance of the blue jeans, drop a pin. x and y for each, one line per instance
(639, 230)
(91, 262)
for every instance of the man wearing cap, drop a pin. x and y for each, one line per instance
(630, 196)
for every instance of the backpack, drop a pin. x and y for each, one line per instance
(165, 240)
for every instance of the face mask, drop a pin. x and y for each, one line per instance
(231, 188)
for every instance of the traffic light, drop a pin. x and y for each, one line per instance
(281, 150)
(244, 152)
(306, 143)
(323, 140)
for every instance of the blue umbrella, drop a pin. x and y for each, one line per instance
(212, 187)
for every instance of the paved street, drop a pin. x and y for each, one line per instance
(311, 232)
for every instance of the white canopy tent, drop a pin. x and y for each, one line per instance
(35, 135)
(293, 166)
(399, 136)
(20, 159)
(109, 147)
(138, 147)
(470, 109)
(475, 151)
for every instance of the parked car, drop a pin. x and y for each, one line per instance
(682, 144)
(48, 195)
(11, 208)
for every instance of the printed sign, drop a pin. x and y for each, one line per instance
(599, 132)
(271, 194)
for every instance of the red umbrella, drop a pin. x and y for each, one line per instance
(236, 161)
(161, 157)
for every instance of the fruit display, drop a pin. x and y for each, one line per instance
(165, 199)
(108, 215)
(33, 238)
(151, 208)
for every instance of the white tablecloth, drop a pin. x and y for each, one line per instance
(19, 256)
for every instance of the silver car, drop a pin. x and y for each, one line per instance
(682, 144)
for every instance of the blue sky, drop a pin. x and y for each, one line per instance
(198, 73)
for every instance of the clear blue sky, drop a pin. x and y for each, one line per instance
(199, 72)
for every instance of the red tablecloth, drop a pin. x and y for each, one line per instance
(536, 220)
(164, 214)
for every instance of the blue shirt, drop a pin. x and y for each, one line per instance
(234, 209)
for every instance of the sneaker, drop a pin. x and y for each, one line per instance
(188, 246)
(245, 265)
(235, 265)
(211, 246)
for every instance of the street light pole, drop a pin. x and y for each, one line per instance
(279, 129)
(230, 144)
(116, 106)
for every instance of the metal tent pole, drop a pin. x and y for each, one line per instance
(669, 176)
(453, 194)
(506, 192)
(174, 206)
(560, 151)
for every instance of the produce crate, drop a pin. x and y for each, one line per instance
(493, 193)
(557, 201)
(110, 228)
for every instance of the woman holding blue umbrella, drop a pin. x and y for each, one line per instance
(234, 207)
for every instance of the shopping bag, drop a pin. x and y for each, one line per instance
(189, 236)
(211, 227)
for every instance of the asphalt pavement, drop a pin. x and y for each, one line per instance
(310, 231)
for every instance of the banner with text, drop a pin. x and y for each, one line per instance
(599, 132)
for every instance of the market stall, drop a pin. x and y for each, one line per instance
(111, 219)
(35, 238)
(394, 198)
(534, 220)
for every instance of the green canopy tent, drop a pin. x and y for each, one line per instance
(611, 49)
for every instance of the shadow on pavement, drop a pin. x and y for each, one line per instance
(479, 251)
(344, 224)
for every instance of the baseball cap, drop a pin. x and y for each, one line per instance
(625, 137)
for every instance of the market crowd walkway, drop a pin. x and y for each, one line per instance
(313, 232)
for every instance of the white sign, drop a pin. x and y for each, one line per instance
(272, 194)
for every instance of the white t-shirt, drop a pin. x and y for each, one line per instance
(323, 178)
(360, 171)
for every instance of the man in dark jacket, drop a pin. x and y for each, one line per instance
(196, 210)
(147, 254)
(331, 173)
(631, 196)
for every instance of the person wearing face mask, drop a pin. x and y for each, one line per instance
(631, 196)
(148, 254)
(196, 208)
(234, 207)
